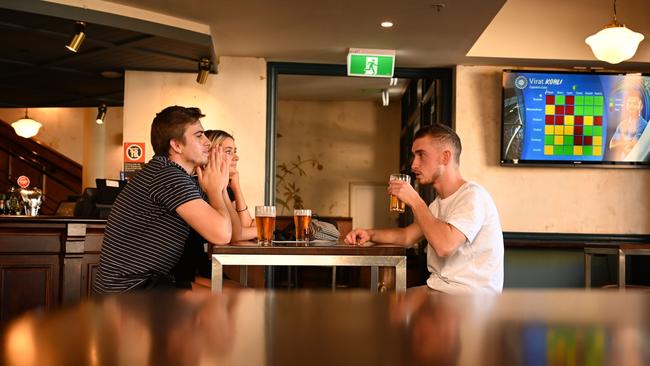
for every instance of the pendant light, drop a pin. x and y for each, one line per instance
(615, 42)
(26, 127)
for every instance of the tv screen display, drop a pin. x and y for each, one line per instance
(593, 119)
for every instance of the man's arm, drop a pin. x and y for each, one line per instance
(212, 223)
(400, 236)
(442, 237)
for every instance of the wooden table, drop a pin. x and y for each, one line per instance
(619, 249)
(312, 254)
(342, 328)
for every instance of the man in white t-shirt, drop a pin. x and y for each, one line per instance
(465, 252)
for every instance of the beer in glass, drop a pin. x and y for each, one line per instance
(395, 204)
(265, 221)
(302, 219)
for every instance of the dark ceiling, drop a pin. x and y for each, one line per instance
(36, 70)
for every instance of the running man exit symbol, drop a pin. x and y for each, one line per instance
(371, 65)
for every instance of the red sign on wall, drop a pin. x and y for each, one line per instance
(133, 158)
(23, 181)
(134, 152)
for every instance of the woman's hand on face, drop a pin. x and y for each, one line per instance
(214, 176)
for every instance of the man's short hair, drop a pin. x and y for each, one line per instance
(444, 135)
(170, 123)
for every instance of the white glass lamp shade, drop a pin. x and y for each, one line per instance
(26, 127)
(614, 44)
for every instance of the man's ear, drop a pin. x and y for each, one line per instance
(446, 156)
(176, 146)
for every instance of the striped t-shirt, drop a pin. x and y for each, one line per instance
(144, 235)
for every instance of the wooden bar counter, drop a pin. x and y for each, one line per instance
(46, 261)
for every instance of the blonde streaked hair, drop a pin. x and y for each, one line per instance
(216, 137)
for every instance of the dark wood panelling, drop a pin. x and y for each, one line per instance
(27, 282)
(46, 262)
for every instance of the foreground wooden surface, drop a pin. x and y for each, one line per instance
(343, 328)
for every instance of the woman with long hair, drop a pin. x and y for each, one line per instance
(243, 224)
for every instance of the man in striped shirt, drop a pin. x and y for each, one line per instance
(151, 217)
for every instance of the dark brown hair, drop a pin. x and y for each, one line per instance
(170, 123)
(443, 134)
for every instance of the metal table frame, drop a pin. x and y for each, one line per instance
(620, 251)
(373, 261)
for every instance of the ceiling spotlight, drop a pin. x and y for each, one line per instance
(204, 70)
(615, 42)
(26, 127)
(78, 37)
(101, 114)
(386, 24)
(385, 98)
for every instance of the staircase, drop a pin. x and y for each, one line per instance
(57, 175)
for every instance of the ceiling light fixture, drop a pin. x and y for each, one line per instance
(204, 70)
(615, 42)
(393, 82)
(385, 98)
(26, 127)
(387, 24)
(78, 37)
(101, 114)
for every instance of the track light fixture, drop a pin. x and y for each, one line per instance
(204, 70)
(78, 37)
(101, 114)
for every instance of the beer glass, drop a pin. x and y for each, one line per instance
(395, 204)
(302, 219)
(265, 221)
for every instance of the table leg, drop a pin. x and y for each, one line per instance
(400, 276)
(217, 276)
(243, 275)
(333, 278)
(588, 270)
(374, 278)
(621, 270)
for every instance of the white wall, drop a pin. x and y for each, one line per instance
(233, 100)
(567, 200)
(354, 141)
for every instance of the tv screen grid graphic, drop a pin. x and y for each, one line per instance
(575, 118)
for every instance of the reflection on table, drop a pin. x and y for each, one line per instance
(344, 328)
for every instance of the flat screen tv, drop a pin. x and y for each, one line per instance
(569, 118)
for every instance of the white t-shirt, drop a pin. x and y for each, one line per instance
(477, 264)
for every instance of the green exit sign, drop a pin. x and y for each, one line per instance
(371, 63)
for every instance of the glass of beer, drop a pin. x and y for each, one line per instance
(395, 204)
(265, 221)
(302, 219)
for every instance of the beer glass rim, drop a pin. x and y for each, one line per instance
(301, 212)
(399, 176)
(265, 211)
